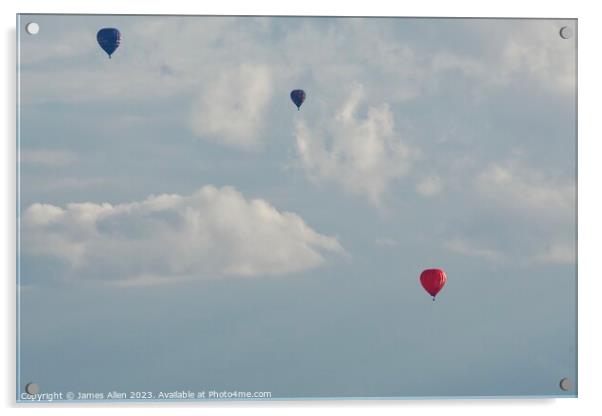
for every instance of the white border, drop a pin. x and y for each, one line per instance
(590, 191)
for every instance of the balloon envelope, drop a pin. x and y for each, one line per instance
(433, 280)
(108, 39)
(298, 96)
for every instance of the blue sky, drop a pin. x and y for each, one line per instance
(183, 226)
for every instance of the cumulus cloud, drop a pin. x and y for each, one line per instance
(429, 185)
(211, 233)
(363, 155)
(231, 111)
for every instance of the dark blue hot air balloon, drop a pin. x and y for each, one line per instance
(298, 96)
(108, 39)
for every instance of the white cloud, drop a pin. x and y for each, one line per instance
(363, 155)
(51, 183)
(56, 46)
(195, 51)
(537, 51)
(553, 253)
(159, 59)
(533, 213)
(429, 186)
(462, 246)
(48, 157)
(557, 253)
(232, 110)
(522, 191)
(386, 242)
(211, 233)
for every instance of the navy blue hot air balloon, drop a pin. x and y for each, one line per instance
(108, 39)
(298, 96)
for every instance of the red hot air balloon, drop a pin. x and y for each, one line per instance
(433, 280)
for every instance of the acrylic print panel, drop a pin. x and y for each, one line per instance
(272, 208)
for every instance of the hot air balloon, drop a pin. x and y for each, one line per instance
(108, 39)
(298, 96)
(433, 280)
